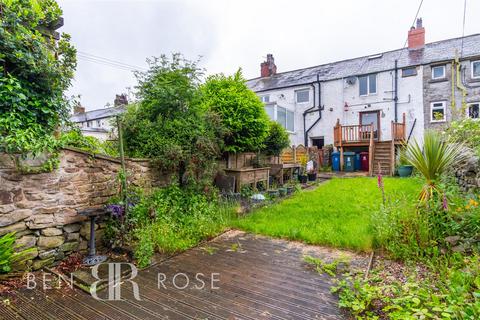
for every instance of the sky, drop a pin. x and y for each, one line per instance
(228, 34)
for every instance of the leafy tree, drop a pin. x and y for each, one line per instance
(242, 113)
(168, 124)
(277, 139)
(35, 70)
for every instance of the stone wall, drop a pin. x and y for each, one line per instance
(43, 208)
(468, 177)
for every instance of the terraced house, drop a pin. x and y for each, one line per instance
(376, 102)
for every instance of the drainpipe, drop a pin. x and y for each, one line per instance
(395, 98)
(311, 110)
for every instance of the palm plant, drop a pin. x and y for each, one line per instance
(433, 160)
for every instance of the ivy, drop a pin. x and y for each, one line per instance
(35, 70)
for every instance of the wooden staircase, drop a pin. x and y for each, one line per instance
(383, 154)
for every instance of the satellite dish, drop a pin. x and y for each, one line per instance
(351, 80)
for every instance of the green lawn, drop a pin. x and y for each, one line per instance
(337, 213)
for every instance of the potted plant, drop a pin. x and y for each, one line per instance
(404, 168)
(302, 177)
(290, 189)
(282, 191)
(312, 171)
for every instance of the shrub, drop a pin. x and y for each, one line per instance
(75, 138)
(7, 246)
(277, 139)
(241, 111)
(34, 73)
(466, 131)
(169, 220)
(432, 160)
(168, 124)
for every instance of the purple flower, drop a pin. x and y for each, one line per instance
(445, 202)
(380, 181)
(116, 210)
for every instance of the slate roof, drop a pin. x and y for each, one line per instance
(97, 114)
(431, 52)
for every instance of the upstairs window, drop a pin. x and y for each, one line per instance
(99, 123)
(438, 72)
(438, 112)
(367, 84)
(265, 98)
(270, 109)
(476, 70)
(408, 72)
(302, 96)
(474, 111)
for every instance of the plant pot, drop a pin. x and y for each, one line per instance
(290, 190)
(273, 193)
(282, 191)
(312, 176)
(302, 178)
(405, 171)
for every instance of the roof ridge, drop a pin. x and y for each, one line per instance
(364, 56)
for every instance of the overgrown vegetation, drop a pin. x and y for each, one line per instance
(168, 123)
(35, 70)
(277, 139)
(437, 244)
(466, 131)
(169, 220)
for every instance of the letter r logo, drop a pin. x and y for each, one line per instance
(114, 281)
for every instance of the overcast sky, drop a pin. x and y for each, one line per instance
(232, 34)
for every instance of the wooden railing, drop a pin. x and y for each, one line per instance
(399, 130)
(352, 133)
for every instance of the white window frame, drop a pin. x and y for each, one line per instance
(275, 117)
(444, 72)
(444, 107)
(262, 98)
(369, 93)
(302, 90)
(468, 110)
(473, 76)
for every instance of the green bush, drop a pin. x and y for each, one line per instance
(75, 138)
(168, 124)
(171, 219)
(466, 131)
(277, 139)
(34, 73)
(241, 111)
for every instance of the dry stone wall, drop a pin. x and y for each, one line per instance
(468, 177)
(43, 209)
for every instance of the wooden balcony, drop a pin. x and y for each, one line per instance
(360, 135)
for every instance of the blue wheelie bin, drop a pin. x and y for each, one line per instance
(336, 161)
(358, 162)
(349, 161)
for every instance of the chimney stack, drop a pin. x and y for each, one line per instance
(120, 100)
(268, 68)
(77, 108)
(416, 36)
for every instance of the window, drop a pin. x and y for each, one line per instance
(282, 115)
(438, 72)
(99, 123)
(88, 124)
(408, 72)
(265, 98)
(438, 113)
(367, 84)
(474, 111)
(302, 96)
(270, 111)
(476, 70)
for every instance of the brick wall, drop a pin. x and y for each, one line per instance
(43, 208)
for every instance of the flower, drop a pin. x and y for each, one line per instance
(116, 210)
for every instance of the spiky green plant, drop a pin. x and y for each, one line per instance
(432, 160)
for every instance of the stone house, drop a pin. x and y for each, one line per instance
(389, 93)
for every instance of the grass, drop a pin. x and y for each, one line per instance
(337, 213)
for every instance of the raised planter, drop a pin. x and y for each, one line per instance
(290, 190)
(405, 171)
(273, 193)
(282, 191)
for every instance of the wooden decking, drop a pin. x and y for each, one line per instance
(260, 278)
